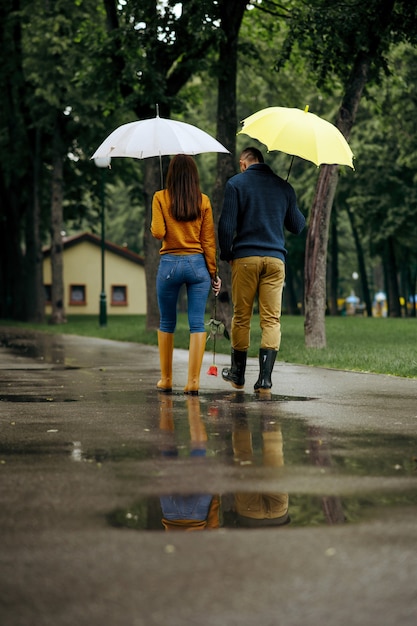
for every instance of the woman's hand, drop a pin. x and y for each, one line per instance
(216, 285)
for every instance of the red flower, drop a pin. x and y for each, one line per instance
(212, 370)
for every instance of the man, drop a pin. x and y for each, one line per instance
(257, 206)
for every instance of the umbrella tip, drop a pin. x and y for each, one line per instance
(157, 110)
(306, 108)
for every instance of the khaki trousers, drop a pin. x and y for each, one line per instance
(263, 276)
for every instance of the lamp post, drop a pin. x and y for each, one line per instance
(103, 163)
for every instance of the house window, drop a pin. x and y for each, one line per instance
(78, 295)
(119, 295)
(48, 294)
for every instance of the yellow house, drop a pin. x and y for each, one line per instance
(124, 275)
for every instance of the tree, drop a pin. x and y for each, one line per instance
(231, 15)
(350, 43)
(154, 51)
(34, 289)
(15, 175)
(246, 54)
(361, 262)
(41, 54)
(50, 30)
(382, 197)
(102, 64)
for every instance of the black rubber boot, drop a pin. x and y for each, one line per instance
(236, 374)
(267, 358)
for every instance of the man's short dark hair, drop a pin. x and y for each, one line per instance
(251, 154)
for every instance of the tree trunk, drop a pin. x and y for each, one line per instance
(403, 288)
(320, 457)
(411, 279)
(334, 265)
(231, 14)
(394, 308)
(361, 262)
(35, 292)
(14, 179)
(172, 66)
(151, 246)
(12, 296)
(289, 296)
(316, 258)
(317, 235)
(57, 264)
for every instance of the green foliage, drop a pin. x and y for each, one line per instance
(382, 193)
(125, 216)
(87, 70)
(332, 35)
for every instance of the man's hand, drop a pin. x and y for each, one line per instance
(216, 284)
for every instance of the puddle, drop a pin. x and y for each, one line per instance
(46, 350)
(41, 448)
(31, 398)
(244, 398)
(229, 512)
(33, 346)
(256, 443)
(249, 444)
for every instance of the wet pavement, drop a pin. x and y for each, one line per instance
(309, 494)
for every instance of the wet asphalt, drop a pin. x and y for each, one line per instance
(89, 450)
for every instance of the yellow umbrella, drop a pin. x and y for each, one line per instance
(299, 133)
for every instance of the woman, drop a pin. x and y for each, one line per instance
(182, 218)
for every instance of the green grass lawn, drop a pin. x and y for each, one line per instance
(380, 345)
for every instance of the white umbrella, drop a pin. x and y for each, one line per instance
(157, 137)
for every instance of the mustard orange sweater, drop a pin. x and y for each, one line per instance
(197, 237)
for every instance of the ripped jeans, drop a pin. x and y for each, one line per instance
(174, 271)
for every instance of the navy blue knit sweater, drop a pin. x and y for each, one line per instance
(257, 206)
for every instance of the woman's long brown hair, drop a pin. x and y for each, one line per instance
(183, 185)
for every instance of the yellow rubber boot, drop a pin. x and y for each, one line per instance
(195, 359)
(166, 348)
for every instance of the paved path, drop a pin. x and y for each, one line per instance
(82, 447)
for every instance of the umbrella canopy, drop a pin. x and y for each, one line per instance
(299, 133)
(157, 137)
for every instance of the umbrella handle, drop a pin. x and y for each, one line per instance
(160, 157)
(160, 170)
(292, 161)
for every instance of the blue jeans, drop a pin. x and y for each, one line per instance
(174, 271)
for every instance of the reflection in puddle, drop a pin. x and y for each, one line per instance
(193, 511)
(305, 510)
(259, 509)
(41, 347)
(201, 511)
(253, 437)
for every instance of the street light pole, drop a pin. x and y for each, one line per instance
(103, 163)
